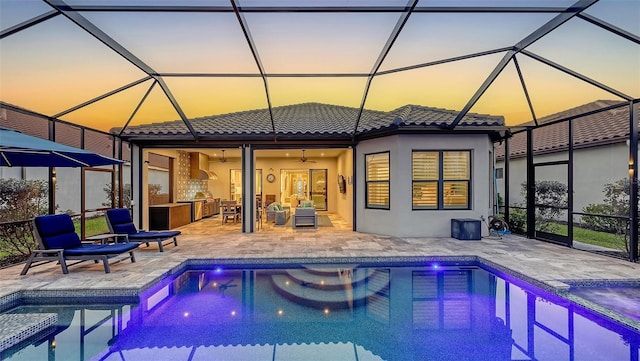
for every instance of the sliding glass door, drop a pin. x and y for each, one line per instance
(304, 184)
(318, 188)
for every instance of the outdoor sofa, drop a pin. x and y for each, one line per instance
(277, 213)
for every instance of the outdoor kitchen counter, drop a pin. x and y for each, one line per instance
(169, 216)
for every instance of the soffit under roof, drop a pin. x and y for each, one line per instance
(107, 64)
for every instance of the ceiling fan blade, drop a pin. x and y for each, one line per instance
(304, 159)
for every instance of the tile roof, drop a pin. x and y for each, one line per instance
(310, 119)
(417, 115)
(608, 126)
(317, 118)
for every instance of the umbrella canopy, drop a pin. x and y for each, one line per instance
(21, 150)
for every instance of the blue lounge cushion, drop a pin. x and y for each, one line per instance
(98, 249)
(57, 231)
(121, 221)
(128, 228)
(142, 235)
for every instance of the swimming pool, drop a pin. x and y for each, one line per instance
(332, 312)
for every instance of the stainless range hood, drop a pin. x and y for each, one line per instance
(200, 167)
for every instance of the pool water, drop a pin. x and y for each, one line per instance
(333, 312)
(625, 300)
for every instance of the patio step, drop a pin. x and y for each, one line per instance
(327, 279)
(329, 291)
(323, 269)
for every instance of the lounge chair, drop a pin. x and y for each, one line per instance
(59, 241)
(119, 221)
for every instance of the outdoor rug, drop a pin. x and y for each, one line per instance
(323, 221)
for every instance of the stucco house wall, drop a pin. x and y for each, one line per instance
(400, 220)
(593, 168)
(344, 201)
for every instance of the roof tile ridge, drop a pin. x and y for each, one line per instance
(403, 115)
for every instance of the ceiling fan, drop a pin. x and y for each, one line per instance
(304, 159)
(223, 159)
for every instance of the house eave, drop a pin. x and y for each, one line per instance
(237, 140)
(495, 133)
(565, 148)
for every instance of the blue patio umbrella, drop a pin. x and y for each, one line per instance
(21, 150)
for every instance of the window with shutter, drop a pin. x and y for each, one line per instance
(377, 180)
(441, 179)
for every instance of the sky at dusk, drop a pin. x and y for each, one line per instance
(55, 65)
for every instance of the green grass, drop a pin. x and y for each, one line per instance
(97, 225)
(589, 236)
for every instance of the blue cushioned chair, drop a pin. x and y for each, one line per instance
(59, 242)
(119, 221)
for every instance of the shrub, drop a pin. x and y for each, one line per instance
(616, 202)
(126, 196)
(518, 221)
(550, 199)
(20, 201)
(596, 223)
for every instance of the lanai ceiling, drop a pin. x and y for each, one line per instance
(106, 64)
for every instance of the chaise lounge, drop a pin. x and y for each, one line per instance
(59, 241)
(119, 221)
